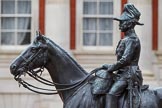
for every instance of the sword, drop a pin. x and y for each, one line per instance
(130, 93)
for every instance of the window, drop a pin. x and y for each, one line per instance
(16, 22)
(97, 28)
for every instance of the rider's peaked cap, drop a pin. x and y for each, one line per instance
(130, 12)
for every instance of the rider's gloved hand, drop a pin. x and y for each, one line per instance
(105, 66)
(110, 68)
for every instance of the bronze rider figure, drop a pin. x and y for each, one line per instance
(128, 53)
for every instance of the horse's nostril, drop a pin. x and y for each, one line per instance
(13, 67)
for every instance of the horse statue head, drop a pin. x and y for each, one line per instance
(35, 56)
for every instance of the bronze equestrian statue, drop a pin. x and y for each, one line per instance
(118, 85)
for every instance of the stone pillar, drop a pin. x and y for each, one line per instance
(58, 21)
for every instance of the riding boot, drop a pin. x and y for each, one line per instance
(111, 101)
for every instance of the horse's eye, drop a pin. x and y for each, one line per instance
(33, 50)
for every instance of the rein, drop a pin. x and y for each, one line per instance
(49, 83)
(34, 74)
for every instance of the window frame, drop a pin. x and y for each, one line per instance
(34, 26)
(79, 30)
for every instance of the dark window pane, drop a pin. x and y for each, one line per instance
(90, 7)
(89, 24)
(8, 23)
(105, 24)
(7, 38)
(23, 38)
(24, 23)
(24, 7)
(8, 7)
(105, 39)
(89, 39)
(106, 8)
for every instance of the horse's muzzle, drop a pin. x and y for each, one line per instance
(13, 68)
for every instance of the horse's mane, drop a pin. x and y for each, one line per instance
(79, 66)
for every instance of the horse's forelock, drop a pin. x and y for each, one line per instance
(37, 41)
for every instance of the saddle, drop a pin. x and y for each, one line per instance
(102, 82)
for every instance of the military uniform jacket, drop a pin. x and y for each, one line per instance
(128, 53)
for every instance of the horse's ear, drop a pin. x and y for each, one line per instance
(40, 37)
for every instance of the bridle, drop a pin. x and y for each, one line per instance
(34, 74)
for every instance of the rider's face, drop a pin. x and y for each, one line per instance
(123, 26)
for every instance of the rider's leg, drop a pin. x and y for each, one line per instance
(111, 101)
(116, 90)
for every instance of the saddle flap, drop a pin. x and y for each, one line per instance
(102, 82)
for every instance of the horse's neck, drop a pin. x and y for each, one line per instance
(64, 72)
(62, 68)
